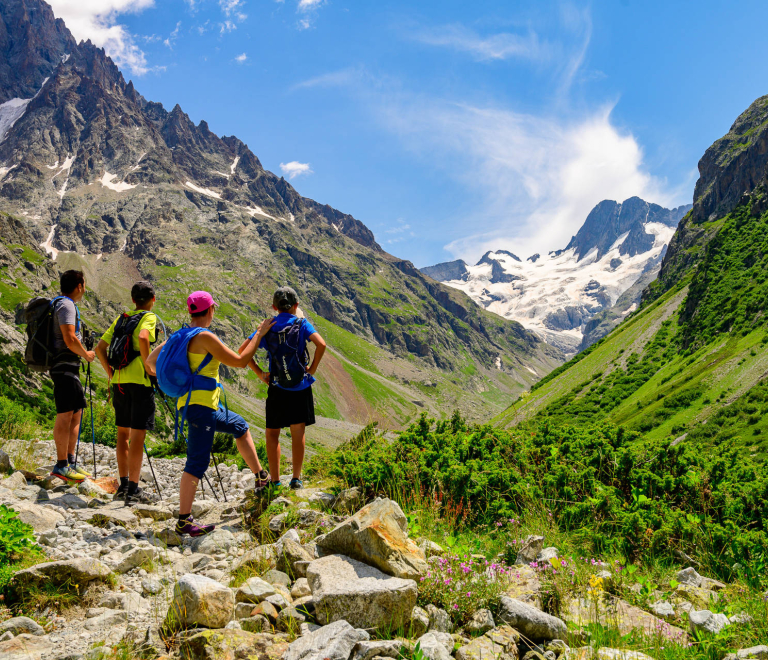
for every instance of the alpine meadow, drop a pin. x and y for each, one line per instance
(234, 425)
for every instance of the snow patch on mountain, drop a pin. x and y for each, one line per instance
(13, 110)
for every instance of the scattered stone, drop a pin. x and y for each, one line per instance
(254, 590)
(499, 643)
(663, 609)
(324, 499)
(128, 601)
(378, 536)
(546, 554)
(419, 622)
(151, 586)
(688, 576)
(90, 489)
(529, 549)
(21, 624)
(332, 642)
(289, 620)
(16, 480)
(349, 500)
(41, 518)
(343, 588)
(265, 609)
(200, 601)
(262, 557)
(293, 559)
(120, 515)
(227, 643)
(151, 511)
(220, 540)
(277, 578)
(300, 588)
(706, 621)
(742, 618)
(25, 647)
(439, 620)
(605, 653)
(135, 558)
(278, 600)
(531, 622)
(481, 622)
(107, 619)
(752, 653)
(436, 645)
(79, 571)
(167, 537)
(256, 624)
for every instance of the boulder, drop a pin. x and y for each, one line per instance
(346, 589)
(219, 540)
(497, 644)
(289, 620)
(199, 601)
(418, 623)
(706, 621)
(256, 624)
(261, 558)
(76, 572)
(688, 576)
(19, 625)
(439, 620)
(152, 511)
(349, 500)
(230, 644)
(332, 642)
(41, 518)
(524, 585)
(16, 480)
(529, 549)
(480, 622)
(25, 647)
(293, 559)
(277, 578)
(6, 464)
(436, 645)
(254, 590)
(377, 649)
(300, 588)
(529, 621)
(378, 536)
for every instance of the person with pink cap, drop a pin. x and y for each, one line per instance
(204, 415)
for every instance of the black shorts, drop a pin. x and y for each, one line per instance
(68, 391)
(134, 406)
(285, 408)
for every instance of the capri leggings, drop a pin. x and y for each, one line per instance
(204, 422)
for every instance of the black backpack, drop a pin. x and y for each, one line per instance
(287, 360)
(121, 351)
(39, 355)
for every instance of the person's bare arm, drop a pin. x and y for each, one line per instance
(144, 348)
(101, 353)
(150, 364)
(320, 344)
(209, 343)
(74, 344)
(253, 365)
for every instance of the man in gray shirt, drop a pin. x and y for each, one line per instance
(68, 393)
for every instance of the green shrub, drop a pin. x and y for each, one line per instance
(104, 429)
(17, 545)
(17, 421)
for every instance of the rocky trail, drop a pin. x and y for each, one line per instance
(303, 575)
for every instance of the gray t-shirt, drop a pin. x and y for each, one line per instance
(65, 313)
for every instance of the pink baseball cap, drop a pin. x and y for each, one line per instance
(199, 301)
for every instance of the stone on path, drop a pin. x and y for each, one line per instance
(107, 619)
(90, 489)
(531, 622)
(118, 514)
(16, 480)
(25, 647)
(497, 644)
(332, 642)
(21, 624)
(42, 518)
(345, 589)
(220, 540)
(199, 601)
(78, 571)
(136, 557)
(262, 557)
(128, 601)
(152, 511)
(378, 536)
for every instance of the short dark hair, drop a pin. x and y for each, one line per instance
(142, 292)
(70, 280)
(285, 298)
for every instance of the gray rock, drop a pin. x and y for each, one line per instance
(41, 518)
(128, 601)
(6, 464)
(16, 480)
(332, 642)
(378, 536)
(152, 511)
(256, 624)
(436, 645)
(349, 500)
(531, 622)
(261, 558)
(343, 588)
(233, 625)
(31, 494)
(529, 549)
(243, 610)
(663, 609)
(79, 571)
(377, 648)
(292, 558)
(497, 644)
(741, 618)
(21, 624)
(706, 621)
(135, 558)
(289, 620)
(25, 647)
(607, 578)
(300, 588)
(546, 554)
(151, 586)
(277, 578)
(481, 622)
(107, 619)
(200, 601)
(254, 590)
(278, 600)
(439, 620)
(430, 548)
(220, 540)
(689, 576)
(418, 623)
(752, 653)
(90, 489)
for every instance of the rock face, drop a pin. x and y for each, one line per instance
(346, 589)
(531, 622)
(378, 535)
(200, 601)
(331, 642)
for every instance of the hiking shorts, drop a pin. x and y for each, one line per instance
(202, 423)
(134, 406)
(285, 408)
(68, 391)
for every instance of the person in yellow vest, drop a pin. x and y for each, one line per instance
(123, 351)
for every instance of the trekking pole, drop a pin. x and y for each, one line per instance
(157, 485)
(221, 483)
(89, 384)
(210, 485)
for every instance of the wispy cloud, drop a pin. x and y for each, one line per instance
(340, 78)
(308, 11)
(500, 46)
(240, 59)
(306, 5)
(171, 40)
(97, 20)
(294, 169)
(233, 8)
(400, 232)
(227, 26)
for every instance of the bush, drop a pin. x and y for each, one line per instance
(17, 422)
(104, 429)
(17, 545)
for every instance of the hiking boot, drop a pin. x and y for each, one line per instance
(139, 496)
(67, 474)
(120, 492)
(296, 484)
(81, 471)
(262, 479)
(189, 526)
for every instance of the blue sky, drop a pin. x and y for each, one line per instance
(449, 127)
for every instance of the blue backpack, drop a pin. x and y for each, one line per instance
(288, 356)
(174, 376)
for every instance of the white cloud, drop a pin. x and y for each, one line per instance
(233, 8)
(340, 78)
(294, 169)
(306, 5)
(171, 40)
(227, 26)
(97, 20)
(308, 9)
(536, 178)
(500, 46)
(241, 58)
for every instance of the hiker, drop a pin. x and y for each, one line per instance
(68, 392)
(204, 352)
(289, 380)
(123, 351)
